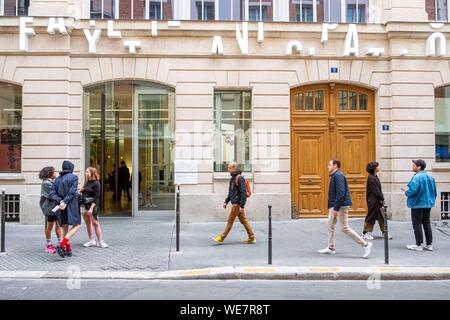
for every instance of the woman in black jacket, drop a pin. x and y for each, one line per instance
(47, 204)
(375, 200)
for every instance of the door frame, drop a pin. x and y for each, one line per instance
(135, 146)
(333, 111)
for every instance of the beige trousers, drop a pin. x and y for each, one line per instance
(343, 221)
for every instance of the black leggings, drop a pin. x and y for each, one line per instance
(421, 217)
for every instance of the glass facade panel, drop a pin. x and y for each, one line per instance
(103, 9)
(10, 127)
(353, 101)
(442, 124)
(343, 103)
(231, 9)
(319, 100)
(202, 9)
(332, 11)
(441, 10)
(363, 102)
(112, 113)
(232, 129)
(261, 10)
(356, 11)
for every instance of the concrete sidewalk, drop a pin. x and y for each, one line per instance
(144, 247)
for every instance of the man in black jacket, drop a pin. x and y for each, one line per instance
(237, 194)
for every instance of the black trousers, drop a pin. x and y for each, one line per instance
(421, 217)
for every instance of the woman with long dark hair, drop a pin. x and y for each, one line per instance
(375, 200)
(47, 204)
(90, 206)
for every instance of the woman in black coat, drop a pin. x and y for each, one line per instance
(375, 200)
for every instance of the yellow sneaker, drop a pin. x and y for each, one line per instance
(250, 240)
(218, 239)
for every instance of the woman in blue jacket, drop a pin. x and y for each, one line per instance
(66, 186)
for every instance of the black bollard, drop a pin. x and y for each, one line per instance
(386, 235)
(178, 218)
(270, 234)
(2, 249)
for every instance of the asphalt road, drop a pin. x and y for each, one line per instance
(222, 290)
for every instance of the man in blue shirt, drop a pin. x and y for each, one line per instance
(421, 195)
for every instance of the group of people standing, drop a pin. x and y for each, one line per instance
(421, 197)
(63, 205)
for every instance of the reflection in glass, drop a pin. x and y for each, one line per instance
(10, 127)
(103, 9)
(155, 128)
(356, 11)
(202, 9)
(362, 101)
(309, 101)
(353, 101)
(230, 9)
(319, 100)
(232, 133)
(108, 132)
(332, 11)
(442, 124)
(260, 10)
(343, 100)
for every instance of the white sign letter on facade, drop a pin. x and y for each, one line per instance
(260, 32)
(351, 46)
(325, 28)
(154, 28)
(25, 32)
(294, 45)
(113, 33)
(242, 40)
(93, 39)
(132, 45)
(431, 44)
(54, 27)
(217, 45)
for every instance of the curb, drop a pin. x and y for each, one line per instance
(248, 273)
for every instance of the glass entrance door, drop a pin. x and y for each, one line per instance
(155, 172)
(108, 141)
(128, 130)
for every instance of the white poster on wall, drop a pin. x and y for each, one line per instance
(186, 172)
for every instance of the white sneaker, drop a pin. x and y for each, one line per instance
(367, 249)
(326, 251)
(389, 236)
(367, 236)
(428, 247)
(102, 244)
(413, 247)
(90, 243)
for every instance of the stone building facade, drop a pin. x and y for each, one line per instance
(175, 98)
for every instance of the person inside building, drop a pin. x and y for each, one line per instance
(124, 180)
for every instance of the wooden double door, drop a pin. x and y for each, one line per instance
(330, 121)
